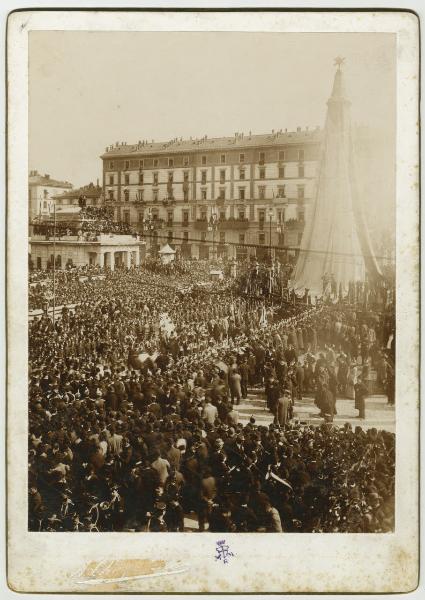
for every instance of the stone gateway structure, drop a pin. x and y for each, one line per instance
(104, 250)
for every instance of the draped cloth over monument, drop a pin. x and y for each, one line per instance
(335, 243)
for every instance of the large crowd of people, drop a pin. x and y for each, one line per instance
(90, 222)
(71, 285)
(134, 420)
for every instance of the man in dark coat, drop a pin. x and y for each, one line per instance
(299, 374)
(272, 394)
(282, 409)
(360, 393)
(244, 373)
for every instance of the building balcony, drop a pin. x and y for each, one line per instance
(223, 225)
(153, 225)
(170, 200)
(200, 225)
(175, 223)
(229, 224)
(294, 225)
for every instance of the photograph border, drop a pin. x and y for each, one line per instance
(398, 564)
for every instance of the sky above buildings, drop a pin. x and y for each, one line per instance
(88, 90)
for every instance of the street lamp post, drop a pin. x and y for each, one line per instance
(270, 233)
(54, 263)
(213, 227)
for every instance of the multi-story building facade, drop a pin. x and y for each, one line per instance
(232, 196)
(41, 191)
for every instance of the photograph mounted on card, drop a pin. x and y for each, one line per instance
(217, 372)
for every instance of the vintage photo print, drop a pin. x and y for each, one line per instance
(213, 301)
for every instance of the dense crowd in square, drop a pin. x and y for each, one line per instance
(133, 408)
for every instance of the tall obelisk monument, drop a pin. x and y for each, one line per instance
(335, 243)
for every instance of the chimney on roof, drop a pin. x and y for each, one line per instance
(286, 130)
(272, 130)
(298, 129)
(306, 128)
(249, 132)
(97, 182)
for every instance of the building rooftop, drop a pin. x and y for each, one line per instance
(90, 191)
(68, 210)
(35, 178)
(239, 140)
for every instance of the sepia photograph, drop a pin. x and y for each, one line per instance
(211, 286)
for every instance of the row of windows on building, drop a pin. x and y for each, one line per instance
(241, 215)
(282, 155)
(140, 194)
(222, 179)
(221, 238)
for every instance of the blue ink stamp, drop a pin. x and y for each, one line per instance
(223, 552)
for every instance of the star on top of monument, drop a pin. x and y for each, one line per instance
(339, 60)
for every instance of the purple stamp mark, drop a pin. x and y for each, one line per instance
(223, 552)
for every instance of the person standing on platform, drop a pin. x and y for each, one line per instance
(351, 381)
(235, 387)
(244, 372)
(283, 406)
(360, 394)
(328, 404)
(299, 374)
(272, 394)
(390, 387)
